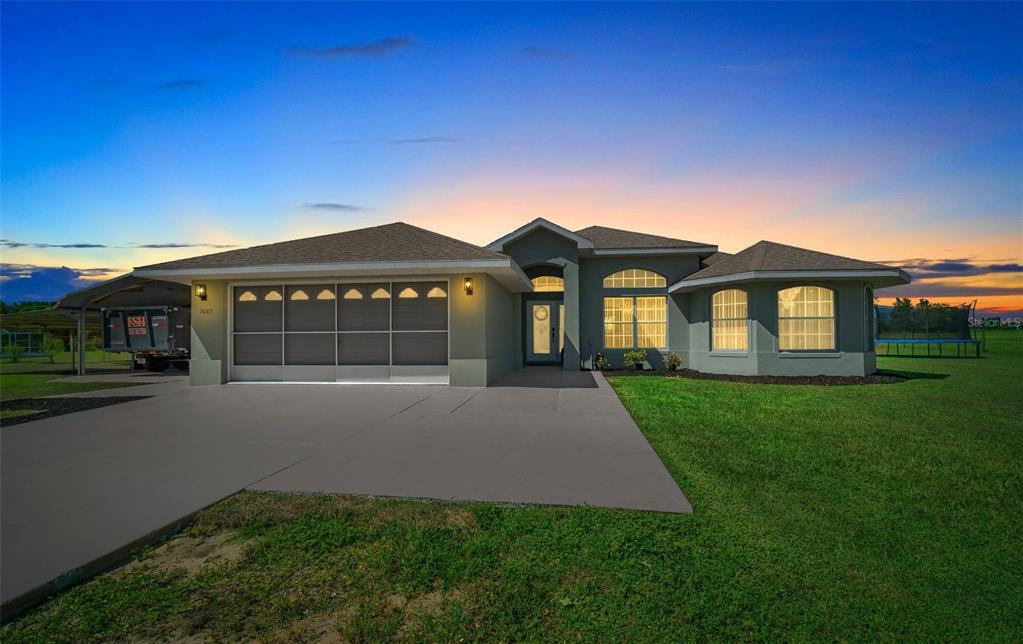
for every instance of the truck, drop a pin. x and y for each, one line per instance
(157, 337)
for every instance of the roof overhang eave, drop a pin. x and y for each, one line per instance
(878, 278)
(505, 271)
(678, 250)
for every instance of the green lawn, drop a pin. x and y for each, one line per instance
(30, 377)
(840, 513)
(14, 386)
(94, 361)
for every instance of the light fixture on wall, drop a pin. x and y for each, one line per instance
(200, 291)
(468, 286)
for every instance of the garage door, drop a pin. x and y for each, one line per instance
(341, 332)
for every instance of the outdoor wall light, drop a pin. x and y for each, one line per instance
(200, 291)
(468, 286)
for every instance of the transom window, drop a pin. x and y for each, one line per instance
(636, 322)
(548, 284)
(806, 319)
(729, 320)
(635, 278)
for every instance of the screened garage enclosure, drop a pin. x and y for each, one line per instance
(374, 332)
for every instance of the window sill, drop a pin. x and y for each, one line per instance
(809, 354)
(728, 354)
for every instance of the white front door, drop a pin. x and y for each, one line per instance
(543, 331)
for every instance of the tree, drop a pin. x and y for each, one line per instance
(52, 345)
(923, 308)
(902, 315)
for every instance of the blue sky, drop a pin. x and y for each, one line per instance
(153, 131)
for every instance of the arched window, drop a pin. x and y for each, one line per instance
(635, 278)
(729, 320)
(548, 284)
(806, 319)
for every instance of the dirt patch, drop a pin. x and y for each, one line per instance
(459, 517)
(320, 628)
(827, 381)
(50, 407)
(189, 553)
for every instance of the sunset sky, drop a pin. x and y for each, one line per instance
(137, 133)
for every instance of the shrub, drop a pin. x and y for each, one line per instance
(635, 358)
(52, 346)
(600, 362)
(673, 361)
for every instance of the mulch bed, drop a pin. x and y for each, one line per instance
(50, 407)
(873, 379)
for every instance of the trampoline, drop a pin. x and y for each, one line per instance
(962, 345)
(932, 326)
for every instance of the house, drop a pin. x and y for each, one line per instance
(401, 304)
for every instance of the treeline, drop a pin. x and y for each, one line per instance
(21, 307)
(925, 317)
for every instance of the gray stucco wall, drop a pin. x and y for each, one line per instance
(592, 272)
(500, 330)
(481, 331)
(851, 357)
(544, 248)
(208, 364)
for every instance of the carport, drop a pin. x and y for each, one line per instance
(81, 310)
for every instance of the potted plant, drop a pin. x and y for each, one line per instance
(635, 359)
(673, 361)
(600, 362)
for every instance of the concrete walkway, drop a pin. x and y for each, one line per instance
(77, 487)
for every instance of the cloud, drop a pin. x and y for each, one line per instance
(180, 85)
(334, 206)
(545, 52)
(7, 243)
(28, 282)
(923, 268)
(1005, 268)
(372, 49)
(412, 141)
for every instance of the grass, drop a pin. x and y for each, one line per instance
(16, 386)
(31, 377)
(10, 414)
(94, 361)
(840, 513)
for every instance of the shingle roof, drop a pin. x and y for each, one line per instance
(603, 237)
(771, 256)
(397, 242)
(714, 259)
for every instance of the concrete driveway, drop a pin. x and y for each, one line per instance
(77, 487)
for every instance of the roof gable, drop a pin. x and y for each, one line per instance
(397, 242)
(539, 224)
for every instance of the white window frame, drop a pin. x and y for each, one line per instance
(611, 275)
(834, 318)
(714, 349)
(635, 323)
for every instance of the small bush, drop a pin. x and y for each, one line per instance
(52, 345)
(600, 362)
(673, 361)
(635, 358)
